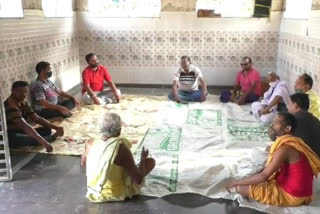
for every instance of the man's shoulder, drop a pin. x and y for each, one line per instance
(86, 69)
(239, 73)
(305, 116)
(282, 84)
(36, 83)
(178, 71)
(312, 94)
(255, 71)
(9, 104)
(102, 68)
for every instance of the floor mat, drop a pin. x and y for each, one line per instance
(199, 147)
(137, 114)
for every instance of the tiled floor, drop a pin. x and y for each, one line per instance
(53, 184)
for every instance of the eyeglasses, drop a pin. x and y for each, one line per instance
(244, 64)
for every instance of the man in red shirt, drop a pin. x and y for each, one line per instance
(93, 77)
(247, 88)
(248, 82)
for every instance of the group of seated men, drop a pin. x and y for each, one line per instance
(293, 159)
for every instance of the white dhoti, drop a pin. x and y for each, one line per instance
(280, 89)
(266, 118)
(104, 96)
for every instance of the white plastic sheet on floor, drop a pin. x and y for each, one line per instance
(199, 147)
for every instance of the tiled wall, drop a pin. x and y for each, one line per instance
(299, 49)
(147, 51)
(24, 42)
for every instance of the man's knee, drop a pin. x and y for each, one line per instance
(87, 99)
(267, 118)
(255, 105)
(199, 95)
(118, 91)
(69, 104)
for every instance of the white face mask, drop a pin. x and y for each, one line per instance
(273, 84)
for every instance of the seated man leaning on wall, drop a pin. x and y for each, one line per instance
(304, 85)
(19, 114)
(93, 76)
(247, 88)
(276, 98)
(308, 128)
(287, 179)
(185, 83)
(45, 95)
(111, 171)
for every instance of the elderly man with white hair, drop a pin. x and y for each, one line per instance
(111, 171)
(277, 95)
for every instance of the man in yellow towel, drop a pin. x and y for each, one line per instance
(111, 171)
(304, 85)
(287, 179)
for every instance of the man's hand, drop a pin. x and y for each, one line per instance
(241, 102)
(118, 97)
(231, 185)
(178, 100)
(46, 145)
(233, 98)
(264, 111)
(48, 148)
(76, 101)
(144, 154)
(96, 100)
(64, 110)
(59, 132)
(203, 97)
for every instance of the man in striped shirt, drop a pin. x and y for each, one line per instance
(185, 83)
(45, 95)
(19, 114)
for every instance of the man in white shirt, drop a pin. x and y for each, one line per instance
(278, 94)
(185, 83)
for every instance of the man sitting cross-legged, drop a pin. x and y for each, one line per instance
(276, 98)
(93, 77)
(185, 83)
(247, 88)
(18, 114)
(287, 178)
(45, 95)
(111, 171)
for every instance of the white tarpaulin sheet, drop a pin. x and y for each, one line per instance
(200, 147)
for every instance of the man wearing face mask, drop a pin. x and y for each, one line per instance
(278, 95)
(287, 179)
(304, 85)
(93, 78)
(45, 95)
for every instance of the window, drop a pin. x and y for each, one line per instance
(298, 9)
(124, 8)
(11, 9)
(57, 8)
(227, 8)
